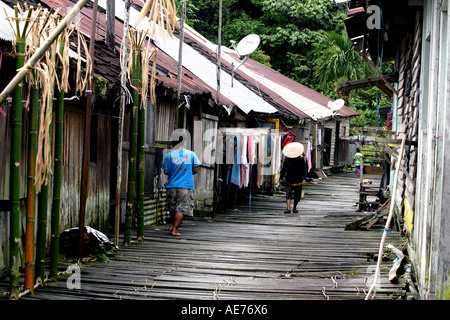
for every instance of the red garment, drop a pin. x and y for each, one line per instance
(287, 138)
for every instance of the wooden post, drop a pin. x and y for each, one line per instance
(87, 137)
(59, 136)
(131, 196)
(388, 222)
(110, 37)
(123, 77)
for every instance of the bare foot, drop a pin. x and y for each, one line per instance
(177, 234)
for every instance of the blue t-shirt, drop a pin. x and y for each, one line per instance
(179, 164)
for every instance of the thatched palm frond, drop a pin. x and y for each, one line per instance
(162, 14)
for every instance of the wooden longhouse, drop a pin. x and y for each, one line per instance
(414, 34)
(258, 104)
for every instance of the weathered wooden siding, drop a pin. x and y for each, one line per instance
(430, 234)
(97, 206)
(407, 113)
(344, 129)
(97, 209)
(165, 124)
(5, 154)
(204, 146)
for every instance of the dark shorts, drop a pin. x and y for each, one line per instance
(180, 200)
(293, 190)
(358, 169)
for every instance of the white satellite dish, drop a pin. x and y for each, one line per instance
(247, 45)
(337, 105)
(244, 49)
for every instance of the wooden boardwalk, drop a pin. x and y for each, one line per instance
(246, 254)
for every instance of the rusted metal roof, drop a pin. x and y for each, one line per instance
(286, 94)
(107, 62)
(256, 87)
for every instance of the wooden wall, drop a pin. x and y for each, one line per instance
(97, 207)
(204, 145)
(430, 236)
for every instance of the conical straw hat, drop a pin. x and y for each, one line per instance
(293, 150)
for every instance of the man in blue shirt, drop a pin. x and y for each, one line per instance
(180, 165)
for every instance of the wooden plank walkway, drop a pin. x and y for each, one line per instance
(246, 254)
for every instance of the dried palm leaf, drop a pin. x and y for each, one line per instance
(148, 54)
(162, 14)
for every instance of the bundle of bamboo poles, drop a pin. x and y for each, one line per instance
(30, 28)
(20, 24)
(138, 71)
(162, 14)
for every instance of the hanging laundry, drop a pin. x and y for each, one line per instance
(244, 162)
(308, 156)
(253, 158)
(235, 171)
(261, 160)
(276, 154)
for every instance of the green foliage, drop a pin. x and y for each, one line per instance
(337, 60)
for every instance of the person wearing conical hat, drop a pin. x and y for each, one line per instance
(295, 170)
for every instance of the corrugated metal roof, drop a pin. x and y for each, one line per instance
(245, 99)
(306, 99)
(5, 28)
(107, 63)
(295, 97)
(208, 50)
(256, 88)
(6, 33)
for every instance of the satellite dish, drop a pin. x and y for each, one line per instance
(247, 45)
(337, 105)
(244, 49)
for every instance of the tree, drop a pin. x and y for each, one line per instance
(337, 60)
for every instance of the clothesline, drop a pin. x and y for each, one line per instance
(245, 147)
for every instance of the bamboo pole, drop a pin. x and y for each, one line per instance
(59, 117)
(41, 51)
(41, 236)
(388, 221)
(31, 193)
(141, 174)
(141, 155)
(123, 99)
(133, 146)
(14, 186)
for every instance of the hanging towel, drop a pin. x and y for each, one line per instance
(244, 162)
(261, 160)
(254, 154)
(308, 156)
(235, 171)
